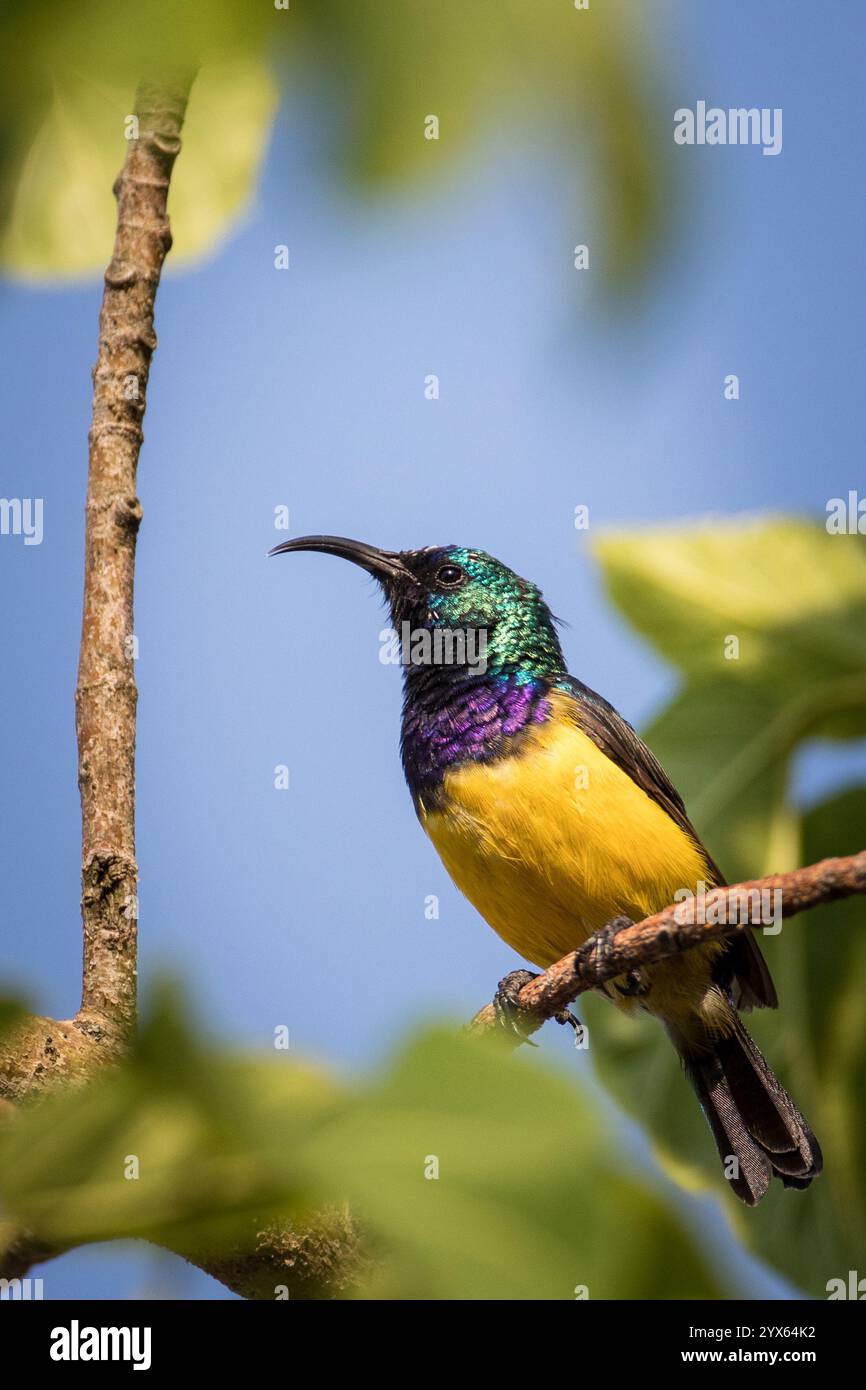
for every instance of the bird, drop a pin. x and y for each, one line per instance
(555, 820)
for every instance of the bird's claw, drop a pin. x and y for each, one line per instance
(632, 984)
(603, 939)
(567, 1016)
(510, 1016)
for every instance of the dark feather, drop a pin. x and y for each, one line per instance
(752, 1117)
(742, 970)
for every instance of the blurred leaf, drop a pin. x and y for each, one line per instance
(126, 39)
(728, 754)
(796, 598)
(793, 596)
(213, 1139)
(537, 69)
(530, 1201)
(224, 142)
(61, 222)
(12, 1012)
(518, 67)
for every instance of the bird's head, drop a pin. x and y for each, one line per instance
(454, 590)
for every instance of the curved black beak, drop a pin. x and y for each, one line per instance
(383, 564)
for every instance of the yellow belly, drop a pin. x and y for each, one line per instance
(552, 843)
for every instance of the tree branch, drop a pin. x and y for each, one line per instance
(680, 927)
(106, 695)
(324, 1257)
(42, 1050)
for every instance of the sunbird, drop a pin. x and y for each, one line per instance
(554, 819)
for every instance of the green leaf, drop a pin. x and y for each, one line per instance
(490, 1177)
(792, 595)
(726, 745)
(528, 70)
(511, 70)
(197, 1151)
(224, 141)
(61, 222)
(179, 1145)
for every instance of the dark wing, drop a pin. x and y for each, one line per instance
(743, 965)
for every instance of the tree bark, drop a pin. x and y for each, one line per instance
(106, 695)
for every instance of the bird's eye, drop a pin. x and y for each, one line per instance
(449, 576)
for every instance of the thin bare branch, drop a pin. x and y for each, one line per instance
(322, 1258)
(105, 698)
(680, 927)
(43, 1050)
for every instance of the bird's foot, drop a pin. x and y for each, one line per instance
(631, 985)
(511, 1017)
(603, 939)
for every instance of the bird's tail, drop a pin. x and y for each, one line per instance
(759, 1132)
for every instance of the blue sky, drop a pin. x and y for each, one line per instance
(306, 388)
